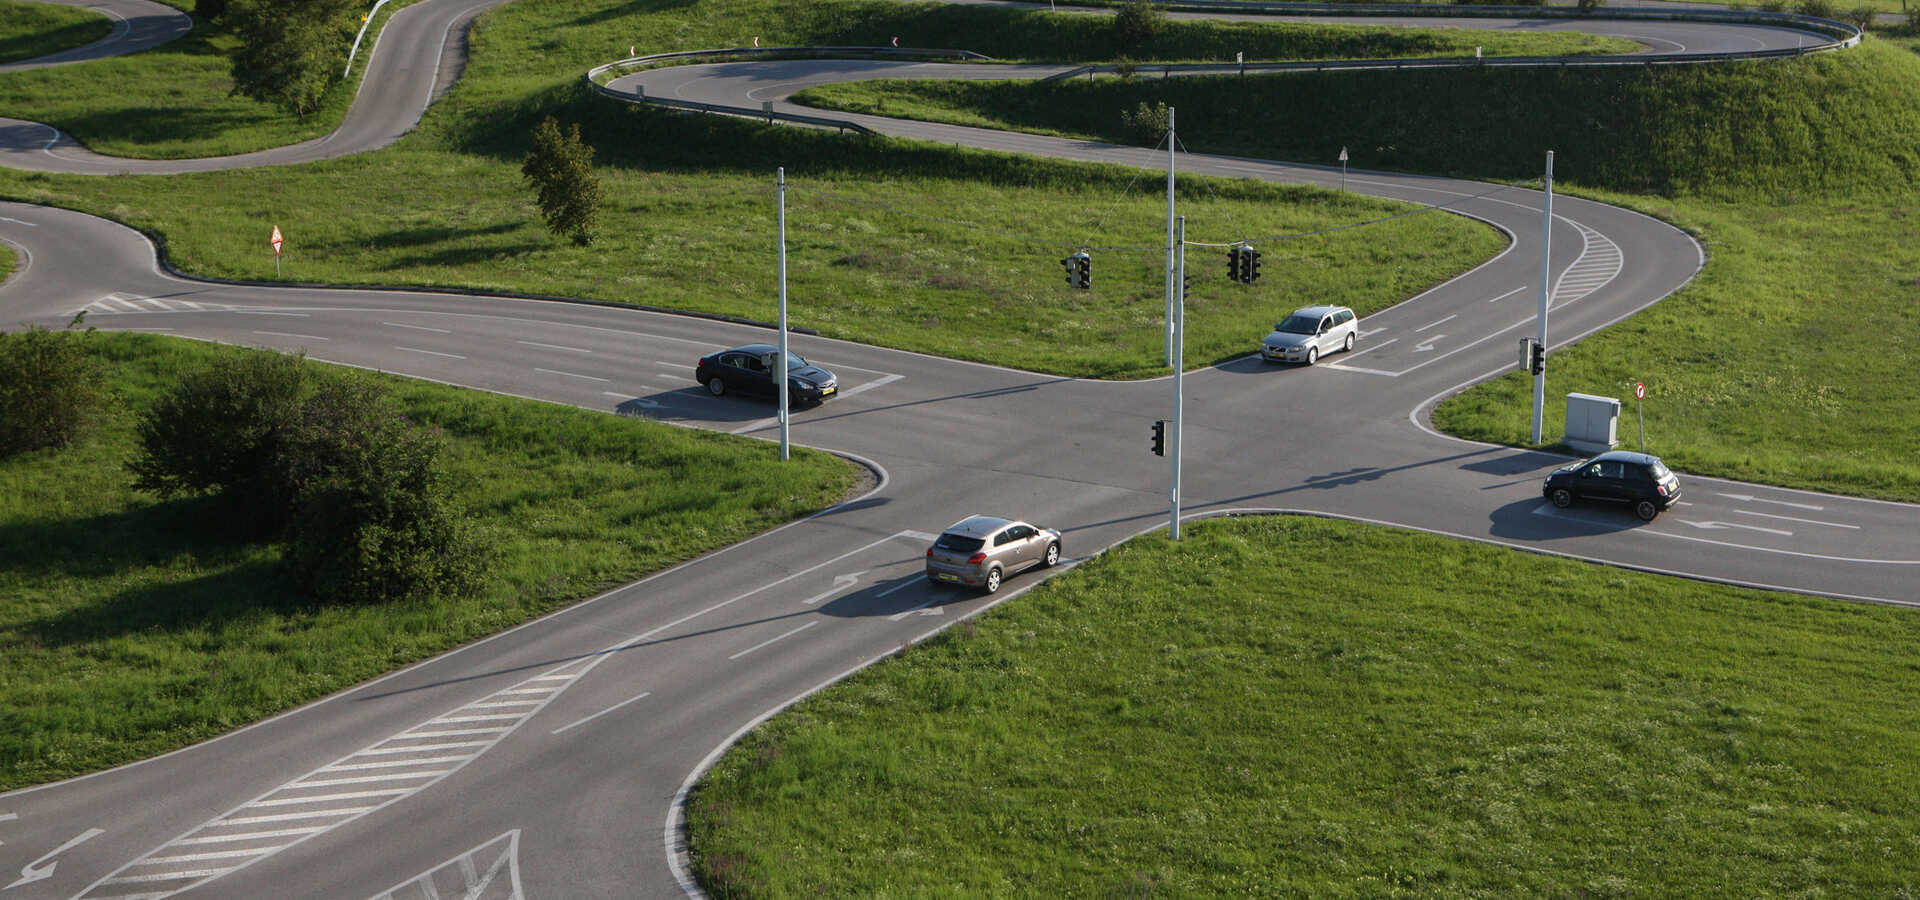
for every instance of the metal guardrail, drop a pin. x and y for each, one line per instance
(597, 76)
(1843, 34)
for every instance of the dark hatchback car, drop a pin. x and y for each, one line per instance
(1636, 480)
(750, 370)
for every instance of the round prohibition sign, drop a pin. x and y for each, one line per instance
(1639, 390)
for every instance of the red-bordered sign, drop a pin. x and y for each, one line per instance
(1639, 390)
(276, 240)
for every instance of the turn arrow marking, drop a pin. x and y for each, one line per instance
(840, 583)
(1752, 499)
(1427, 344)
(35, 871)
(1714, 525)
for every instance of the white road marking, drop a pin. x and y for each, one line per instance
(840, 583)
(901, 615)
(18, 222)
(1431, 324)
(430, 352)
(1508, 294)
(1372, 332)
(1713, 525)
(771, 640)
(8, 817)
(554, 347)
(1427, 345)
(1369, 349)
(337, 808)
(871, 385)
(1748, 512)
(42, 868)
(289, 334)
(572, 375)
(910, 582)
(643, 695)
(500, 858)
(673, 365)
(419, 327)
(268, 312)
(1752, 499)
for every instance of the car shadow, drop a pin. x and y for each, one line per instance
(694, 404)
(1534, 519)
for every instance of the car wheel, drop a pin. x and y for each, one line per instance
(1053, 554)
(1561, 497)
(716, 386)
(992, 584)
(1313, 355)
(1349, 344)
(1646, 510)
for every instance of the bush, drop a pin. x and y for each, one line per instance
(49, 388)
(1860, 16)
(221, 430)
(1587, 6)
(210, 10)
(1773, 6)
(1145, 124)
(1818, 8)
(291, 50)
(1137, 22)
(381, 525)
(560, 168)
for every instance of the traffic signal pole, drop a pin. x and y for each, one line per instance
(1540, 331)
(780, 368)
(1179, 368)
(1172, 283)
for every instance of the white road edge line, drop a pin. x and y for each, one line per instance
(571, 374)
(1748, 512)
(419, 327)
(555, 347)
(430, 352)
(289, 334)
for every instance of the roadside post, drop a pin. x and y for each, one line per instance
(276, 241)
(1343, 168)
(1179, 365)
(1170, 263)
(1640, 406)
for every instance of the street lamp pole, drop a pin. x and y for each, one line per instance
(1170, 241)
(1540, 331)
(780, 367)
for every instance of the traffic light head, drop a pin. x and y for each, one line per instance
(1160, 437)
(1233, 263)
(1252, 261)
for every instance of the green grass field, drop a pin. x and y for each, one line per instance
(131, 626)
(29, 30)
(1432, 718)
(7, 261)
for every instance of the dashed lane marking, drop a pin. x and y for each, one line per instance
(297, 810)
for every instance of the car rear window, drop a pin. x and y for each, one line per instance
(1659, 470)
(958, 543)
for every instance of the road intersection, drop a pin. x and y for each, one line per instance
(554, 755)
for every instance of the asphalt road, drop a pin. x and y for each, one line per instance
(546, 761)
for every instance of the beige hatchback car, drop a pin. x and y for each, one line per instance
(981, 551)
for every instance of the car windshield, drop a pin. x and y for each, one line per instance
(1299, 325)
(958, 543)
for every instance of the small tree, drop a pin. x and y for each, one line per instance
(1145, 124)
(1587, 6)
(560, 168)
(221, 430)
(49, 388)
(1137, 22)
(290, 49)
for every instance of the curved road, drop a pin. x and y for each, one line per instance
(539, 761)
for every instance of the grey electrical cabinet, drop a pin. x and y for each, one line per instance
(1592, 423)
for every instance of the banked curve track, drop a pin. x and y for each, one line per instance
(551, 756)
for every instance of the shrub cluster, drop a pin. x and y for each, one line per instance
(49, 389)
(1145, 124)
(1137, 22)
(291, 50)
(327, 459)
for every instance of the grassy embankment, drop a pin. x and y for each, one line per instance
(37, 29)
(875, 254)
(1449, 719)
(131, 626)
(1786, 361)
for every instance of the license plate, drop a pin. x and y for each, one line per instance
(946, 577)
(828, 391)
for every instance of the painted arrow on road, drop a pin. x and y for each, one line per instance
(1427, 345)
(1752, 499)
(42, 868)
(840, 583)
(1715, 525)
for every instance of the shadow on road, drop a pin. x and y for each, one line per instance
(1534, 519)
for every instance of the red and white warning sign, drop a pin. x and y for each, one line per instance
(276, 240)
(1639, 390)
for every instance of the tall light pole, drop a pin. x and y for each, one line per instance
(1170, 240)
(780, 368)
(1546, 289)
(1179, 368)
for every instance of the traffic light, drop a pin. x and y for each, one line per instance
(1160, 437)
(1233, 263)
(1250, 265)
(1186, 286)
(1537, 358)
(1079, 270)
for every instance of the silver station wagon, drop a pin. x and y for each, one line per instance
(1308, 334)
(981, 551)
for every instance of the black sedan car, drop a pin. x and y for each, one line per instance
(750, 370)
(1639, 481)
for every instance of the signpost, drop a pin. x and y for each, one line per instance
(276, 241)
(1343, 168)
(1639, 402)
